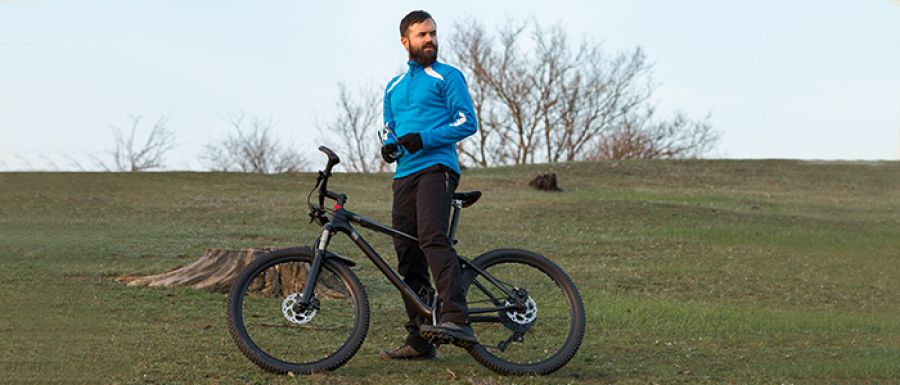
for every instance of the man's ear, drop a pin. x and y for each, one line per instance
(405, 42)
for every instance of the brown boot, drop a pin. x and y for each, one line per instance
(406, 352)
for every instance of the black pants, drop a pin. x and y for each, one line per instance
(422, 208)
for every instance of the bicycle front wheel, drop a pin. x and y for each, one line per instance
(544, 331)
(277, 334)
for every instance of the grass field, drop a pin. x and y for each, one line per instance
(707, 271)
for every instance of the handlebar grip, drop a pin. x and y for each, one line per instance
(333, 159)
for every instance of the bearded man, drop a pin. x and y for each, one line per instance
(427, 110)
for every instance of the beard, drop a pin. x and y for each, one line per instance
(422, 57)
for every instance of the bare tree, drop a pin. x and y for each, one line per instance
(252, 148)
(597, 99)
(643, 137)
(518, 95)
(555, 101)
(472, 50)
(568, 89)
(353, 131)
(129, 156)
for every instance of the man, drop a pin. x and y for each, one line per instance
(426, 111)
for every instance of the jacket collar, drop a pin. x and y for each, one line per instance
(413, 66)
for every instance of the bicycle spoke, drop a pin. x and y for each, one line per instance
(543, 332)
(485, 290)
(284, 331)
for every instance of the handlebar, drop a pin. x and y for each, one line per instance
(332, 159)
(322, 184)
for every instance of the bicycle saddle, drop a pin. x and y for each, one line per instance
(468, 198)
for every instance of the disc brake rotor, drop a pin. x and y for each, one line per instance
(294, 317)
(523, 317)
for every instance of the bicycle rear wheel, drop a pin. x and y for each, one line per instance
(276, 334)
(539, 337)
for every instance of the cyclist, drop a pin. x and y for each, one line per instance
(427, 110)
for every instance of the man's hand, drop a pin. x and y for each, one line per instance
(389, 152)
(411, 142)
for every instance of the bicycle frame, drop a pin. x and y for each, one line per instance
(341, 222)
(496, 288)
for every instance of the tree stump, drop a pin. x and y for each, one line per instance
(545, 182)
(216, 269)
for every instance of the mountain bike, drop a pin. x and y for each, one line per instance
(302, 310)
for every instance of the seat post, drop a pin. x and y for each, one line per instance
(454, 221)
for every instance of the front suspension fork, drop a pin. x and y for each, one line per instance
(313, 275)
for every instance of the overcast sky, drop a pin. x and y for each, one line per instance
(781, 79)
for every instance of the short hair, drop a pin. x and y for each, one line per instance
(413, 18)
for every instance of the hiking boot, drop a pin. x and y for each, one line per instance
(406, 352)
(450, 332)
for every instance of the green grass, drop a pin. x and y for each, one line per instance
(691, 271)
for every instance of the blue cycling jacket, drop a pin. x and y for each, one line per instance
(433, 101)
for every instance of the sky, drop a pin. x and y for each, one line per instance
(780, 79)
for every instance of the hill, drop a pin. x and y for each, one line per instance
(697, 271)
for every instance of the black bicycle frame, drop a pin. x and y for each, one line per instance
(340, 222)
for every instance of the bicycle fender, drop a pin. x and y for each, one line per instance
(331, 255)
(340, 258)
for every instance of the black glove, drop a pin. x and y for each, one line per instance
(411, 142)
(389, 151)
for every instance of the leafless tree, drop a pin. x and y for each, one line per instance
(597, 100)
(518, 95)
(130, 156)
(252, 148)
(554, 100)
(353, 131)
(641, 136)
(473, 51)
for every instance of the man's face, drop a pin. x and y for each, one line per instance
(421, 42)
